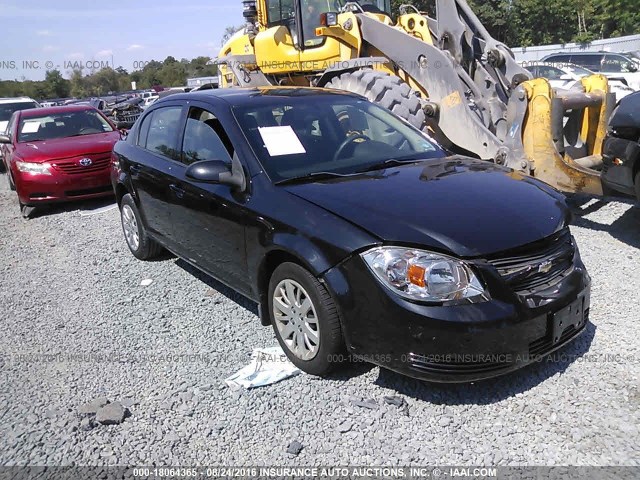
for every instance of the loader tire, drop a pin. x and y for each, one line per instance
(386, 90)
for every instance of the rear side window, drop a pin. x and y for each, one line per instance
(204, 138)
(162, 133)
(616, 64)
(592, 62)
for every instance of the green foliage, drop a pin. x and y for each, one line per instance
(540, 22)
(168, 73)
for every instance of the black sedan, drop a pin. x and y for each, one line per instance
(356, 234)
(621, 149)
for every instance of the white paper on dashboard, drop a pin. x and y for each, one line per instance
(30, 127)
(281, 141)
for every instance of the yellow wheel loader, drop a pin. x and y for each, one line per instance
(445, 75)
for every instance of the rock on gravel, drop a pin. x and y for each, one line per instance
(76, 325)
(93, 406)
(111, 414)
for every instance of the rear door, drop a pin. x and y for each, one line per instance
(153, 167)
(209, 219)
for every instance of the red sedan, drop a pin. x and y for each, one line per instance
(58, 154)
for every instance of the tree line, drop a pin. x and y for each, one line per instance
(168, 73)
(524, 23)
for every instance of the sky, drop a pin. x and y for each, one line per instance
(65, 34)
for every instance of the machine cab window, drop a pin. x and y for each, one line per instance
(283, 12)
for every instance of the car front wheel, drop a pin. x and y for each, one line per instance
(140, 244)
(305, 319)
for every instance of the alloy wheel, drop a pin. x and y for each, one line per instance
(296, 319)
(130, 227)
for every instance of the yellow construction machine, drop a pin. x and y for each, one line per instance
(445, 75)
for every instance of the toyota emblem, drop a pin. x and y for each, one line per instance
(86, 162)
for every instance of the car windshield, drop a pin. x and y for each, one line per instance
(7, 109)
(295, 136)
(62, 125)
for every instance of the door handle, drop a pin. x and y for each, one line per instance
(177, 190)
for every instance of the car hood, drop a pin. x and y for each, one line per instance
(459, 205)
(60, 148)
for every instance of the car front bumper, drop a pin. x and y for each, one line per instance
(459, 343)
(36, 189)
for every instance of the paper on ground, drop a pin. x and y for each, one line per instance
(268, 365)
(95, 211)
(281, 141)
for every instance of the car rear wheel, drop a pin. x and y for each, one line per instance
(305, 319)
(140, 244)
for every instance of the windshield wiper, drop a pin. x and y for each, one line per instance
(392, 162)
(314, 176)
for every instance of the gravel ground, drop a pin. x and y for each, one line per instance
(78, 325)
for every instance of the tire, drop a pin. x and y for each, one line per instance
(26, 210)
(12, 185)
(386, 90)
(321, 317)
(140, 244)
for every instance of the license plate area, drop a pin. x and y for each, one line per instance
(571, 315)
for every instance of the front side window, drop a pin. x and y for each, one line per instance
(34, 128)
(295, 136)
(162, 136)
(204, 138)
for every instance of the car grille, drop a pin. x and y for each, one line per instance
(539, 265)
(127, 118)
(88, 191)
(545, 344)
(425, 363)
(73, 167)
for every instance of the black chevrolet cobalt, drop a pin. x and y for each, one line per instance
(357, 235)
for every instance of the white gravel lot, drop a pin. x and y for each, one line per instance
(78, 325)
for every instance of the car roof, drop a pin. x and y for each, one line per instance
(39, 112)
(601, 52)
(16, 100)
(243, 96)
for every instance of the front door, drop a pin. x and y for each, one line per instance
(208, 219)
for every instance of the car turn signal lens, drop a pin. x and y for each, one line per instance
(416, 275)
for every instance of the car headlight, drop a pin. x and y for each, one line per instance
(38, 168)
(425, 276)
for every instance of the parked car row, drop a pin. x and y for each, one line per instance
(613, 65)
(566, 76)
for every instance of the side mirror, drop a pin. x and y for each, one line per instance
(217, 171)
(5, 139)
(632, 67)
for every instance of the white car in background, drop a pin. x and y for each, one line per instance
(10, 105)
(565, 76)
(7, 107)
